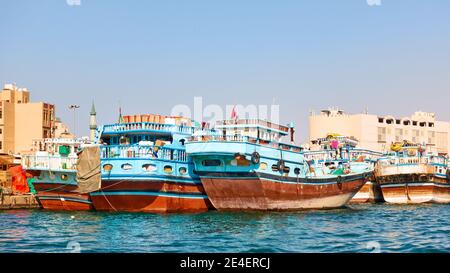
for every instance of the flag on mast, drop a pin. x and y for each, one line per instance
(234, 114)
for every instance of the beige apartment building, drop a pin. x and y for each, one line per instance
(377, 132)
(22, 121)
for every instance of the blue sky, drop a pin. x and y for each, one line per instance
(151, 55)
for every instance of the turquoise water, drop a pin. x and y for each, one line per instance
(358, 228)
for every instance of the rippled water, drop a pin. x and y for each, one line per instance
(358, 228)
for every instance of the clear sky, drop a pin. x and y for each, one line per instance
(151, 55)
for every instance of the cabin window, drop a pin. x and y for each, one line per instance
(64, 177)
(263, 166)
(107, 167)
(182, 171)
(149, 167)
(212, 163)
(168, 169)
(274, 168)
(127, 167)
(297, 171)
(286, 169)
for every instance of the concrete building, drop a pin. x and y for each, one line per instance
(377, 132)
(22, 121)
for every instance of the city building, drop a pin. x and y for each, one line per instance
(22, 121)
(377, 132)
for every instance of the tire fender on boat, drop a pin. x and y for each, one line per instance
(339, 181)
(281, 165)
(256, 158)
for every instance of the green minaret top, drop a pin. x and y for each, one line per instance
(93, 112)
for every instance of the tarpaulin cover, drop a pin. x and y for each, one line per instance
(88, 170)
(19, 180)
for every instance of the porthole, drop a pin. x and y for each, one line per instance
(127, 167)
(149, 167)
(297, 171)
(64, 177)
(263, 166)
(182, 170)
(168, 169)
(107, 167)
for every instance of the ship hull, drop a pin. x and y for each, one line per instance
(54, 193)
(416, 192)
(266, 193)
(369, 193)
(159, 196)
(59, 196)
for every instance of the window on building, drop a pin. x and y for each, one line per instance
(381, 120)
(381, 135)
(406, 122)
(431, 124)
(1, 113)
(1, 131)
(1, 145)
(415, 123)
(398, 121)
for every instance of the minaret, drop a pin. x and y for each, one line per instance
(93, 123)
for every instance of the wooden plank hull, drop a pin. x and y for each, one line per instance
(60, 196)
(369, 193)
(254, 192)
(150, 196)
(416, 192)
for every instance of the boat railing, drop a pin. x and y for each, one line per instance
(259, 122)
(141, 151)
(246, 139)
(50, 162)
(352, 154)
(147, 126)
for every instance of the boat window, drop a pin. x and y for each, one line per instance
(182, 170)
(107, 167)
(274, 168)
(297, 171)
(286, 169)
(168, 169)
(127, 167)
(212, 163)
(149, 167)
(64, 177)
(263, 166)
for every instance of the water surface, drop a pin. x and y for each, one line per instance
(358, 228)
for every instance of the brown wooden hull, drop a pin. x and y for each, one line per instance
(55, 196)
(411, 189)
(369, 193)
(260, 193)
(150, 196)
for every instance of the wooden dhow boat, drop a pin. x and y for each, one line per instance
(410, 175)
(249, 168)
(337, 148)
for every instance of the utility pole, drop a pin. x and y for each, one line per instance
(74, 108)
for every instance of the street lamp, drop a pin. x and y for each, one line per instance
(74, 108)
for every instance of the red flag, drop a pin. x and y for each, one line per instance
(234, 114)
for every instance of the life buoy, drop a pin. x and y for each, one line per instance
(281, 165)
(256, 158)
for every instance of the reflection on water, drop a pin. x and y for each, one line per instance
(358, 228)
